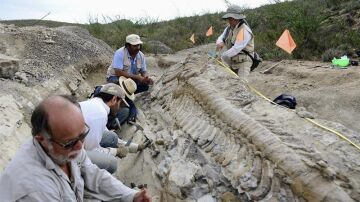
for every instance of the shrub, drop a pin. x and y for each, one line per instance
(315, 25)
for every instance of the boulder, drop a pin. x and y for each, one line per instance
(157, 47)
(8, 66)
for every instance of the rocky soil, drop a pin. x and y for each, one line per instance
(217, 140)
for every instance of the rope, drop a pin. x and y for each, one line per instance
(310, 120)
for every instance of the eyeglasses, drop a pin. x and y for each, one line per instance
(71, 143)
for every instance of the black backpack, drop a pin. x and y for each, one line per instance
(288, 101)
(95, 91)
(256, 60)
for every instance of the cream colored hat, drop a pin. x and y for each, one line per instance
(115, 90)
(133, 39)
(234, 11)
(129, 87)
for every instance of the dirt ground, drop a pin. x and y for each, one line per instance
(327, 92)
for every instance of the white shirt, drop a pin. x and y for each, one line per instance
(33, 176)
(95, 113)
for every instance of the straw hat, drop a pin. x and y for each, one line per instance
(129, 87)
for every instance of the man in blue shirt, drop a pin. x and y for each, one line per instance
(129, 62)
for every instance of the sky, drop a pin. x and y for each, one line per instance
(84, 11)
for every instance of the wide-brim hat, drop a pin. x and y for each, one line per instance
(113, 89)
(233, 15)
(234, 11)
(133, 39)
(129, 87)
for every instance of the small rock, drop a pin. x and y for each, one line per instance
(228, 197)
(160, 142)
(206, 198)
(322, 163)
(8, 66)
(72, 86)
(329, 173)
(22, 76)
(49, 41)
(301, 111)
(305, 114)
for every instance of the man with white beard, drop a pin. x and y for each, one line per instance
(53, 166)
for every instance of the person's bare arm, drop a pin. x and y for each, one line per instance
(148, 80)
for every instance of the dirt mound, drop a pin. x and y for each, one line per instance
(36, 62)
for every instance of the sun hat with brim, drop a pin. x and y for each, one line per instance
(234, 12)
(133, 39)
(129, 87)
(115, 90)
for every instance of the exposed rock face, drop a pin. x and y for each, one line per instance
(157, 47)
(8, 66)
(41, 60)
(13, 128)
(32, 68)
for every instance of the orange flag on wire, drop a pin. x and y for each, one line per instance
(286, 42)
(192, 38)
(240, 35)
(210, 31)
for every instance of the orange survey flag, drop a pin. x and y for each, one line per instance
(240, 35)
(286, 42)
(192, 38)
(210, 31)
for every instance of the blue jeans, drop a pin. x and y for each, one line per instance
(104, 160)
(122, 115)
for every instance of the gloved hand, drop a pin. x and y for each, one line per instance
(121, 151)
(141, 147)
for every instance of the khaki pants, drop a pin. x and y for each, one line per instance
(240, 64)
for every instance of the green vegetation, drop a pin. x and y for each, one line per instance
(321, 29)
(47, 23)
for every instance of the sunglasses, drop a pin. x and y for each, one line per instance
(71, 143)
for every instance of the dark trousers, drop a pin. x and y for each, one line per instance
(139, 89)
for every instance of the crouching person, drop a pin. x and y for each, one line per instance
(53, 166)
(103, 146)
